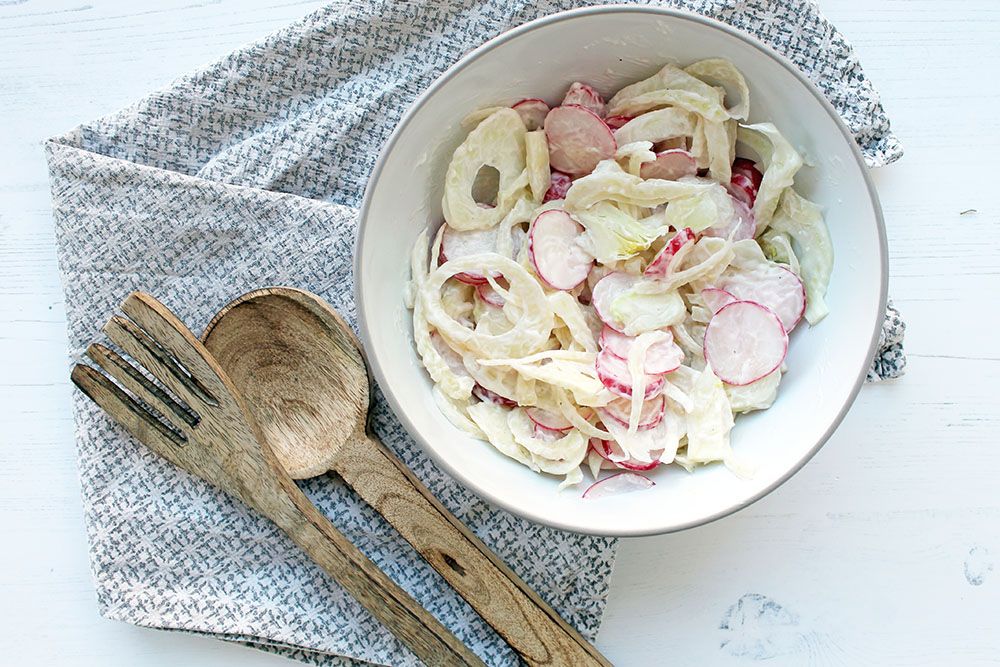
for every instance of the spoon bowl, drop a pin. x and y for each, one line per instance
(300, 370)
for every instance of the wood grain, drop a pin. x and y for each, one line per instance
(222, 445)
(872, 534)
(300, 369)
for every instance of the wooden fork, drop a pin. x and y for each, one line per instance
(205, 428)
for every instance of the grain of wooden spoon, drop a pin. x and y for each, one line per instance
(300, 369)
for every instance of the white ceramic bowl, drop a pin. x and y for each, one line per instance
(610, 47)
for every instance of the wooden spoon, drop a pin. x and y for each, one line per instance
(300, 370)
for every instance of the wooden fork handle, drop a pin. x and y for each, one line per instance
(296, 515)
(531, 627)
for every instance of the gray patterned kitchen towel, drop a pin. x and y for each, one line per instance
(247, 173)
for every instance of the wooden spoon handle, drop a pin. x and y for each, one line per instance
(295, 514)
(531, 627)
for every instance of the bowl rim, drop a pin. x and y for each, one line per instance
(382, 377)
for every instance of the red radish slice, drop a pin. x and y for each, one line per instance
(548, 420)
(660, 263)
(773, 286)
(583, 95)
(489, 295)
(456, 244)
(670, 165)
(613, 374)
(532, 112)
(650, 416)
(612, 453)
(607, 289)
(623, 482)
(741, 165)
(631, 464)
(745, 341)
(602, 447)
(662, 357)
(741, 226)
(552, 246)
(558, 186)
(741, 187)
(484, 394)
(614, 122)
(715, 299)
(578, 139)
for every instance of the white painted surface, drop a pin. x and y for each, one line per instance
(883, 550)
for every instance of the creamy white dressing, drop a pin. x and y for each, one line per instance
(496, 339)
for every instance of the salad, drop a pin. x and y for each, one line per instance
(615, 281)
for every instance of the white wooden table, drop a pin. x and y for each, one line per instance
(884, 550)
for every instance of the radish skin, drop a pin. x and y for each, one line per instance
(715, 298)
(658, 267)
(614, 122)
(485, 395)
(651, 416)
(623, 482)
(583, 95)
(614, 375)
(532, 112)
(578, 139)
(456, 244)
(558, 186)
(661, 357)
(548, 420)
(744, 342)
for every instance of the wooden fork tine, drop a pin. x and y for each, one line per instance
(139, 385)
(126, 411)
(140, 346)
(167, 330)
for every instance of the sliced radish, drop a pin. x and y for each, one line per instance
(715, 298)
(607, 289)
(484, 394)
(623, 482)
(552, 246)
(602, 448)
(652, 411)
(548, 420)
(741, 187)
(578, 139)
(741, 224)
(744, 341)
(583, 95)
(615, 456)
(558, 186)
(532, 112)
(614, 374)
(632, 464)
(490, 295)
(670, 165)
(614, 122)
(660, 263)
(770, 285)
(662, 357)
(456, 244)
(747, 167)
